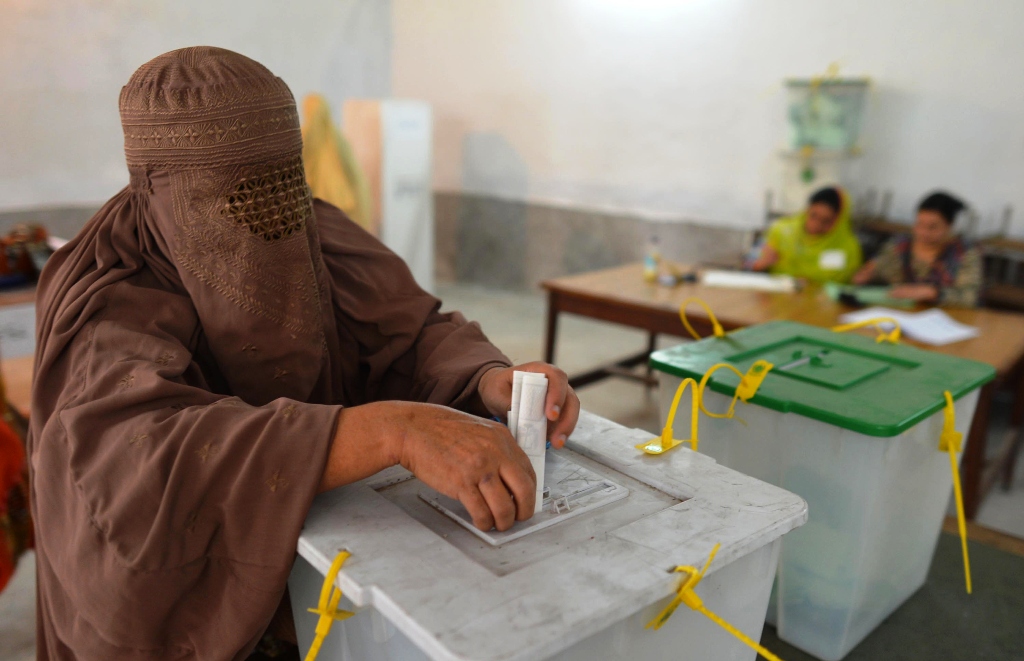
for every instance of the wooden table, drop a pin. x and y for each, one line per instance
(620, 295)
(18, 296)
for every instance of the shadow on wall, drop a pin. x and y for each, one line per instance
(358, 63)
(491, 233)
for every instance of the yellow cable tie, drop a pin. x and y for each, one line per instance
(747, 388)
(327, 609)
(704, 382)
(752, 380)
(685, 595)
(666, 442)
(892, 336)
(951, 441)
(716, 327)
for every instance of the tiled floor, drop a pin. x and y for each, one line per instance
(514, 322)
(18, 614)
(1004, 510)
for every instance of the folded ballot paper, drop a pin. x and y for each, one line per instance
(932, 326)
(743, 280)
(528, 424)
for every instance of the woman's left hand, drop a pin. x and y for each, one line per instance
(923, 293)
(562, 407)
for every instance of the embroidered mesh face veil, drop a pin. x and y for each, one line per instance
(217, 134)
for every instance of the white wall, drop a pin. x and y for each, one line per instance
(63, 62)
(675, 108)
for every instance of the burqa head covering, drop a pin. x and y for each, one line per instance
(231, 212)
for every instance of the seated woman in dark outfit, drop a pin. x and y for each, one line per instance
(932, 265)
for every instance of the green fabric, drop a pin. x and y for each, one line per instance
(800, 253)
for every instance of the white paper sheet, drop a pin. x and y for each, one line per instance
(513, 414)
(932, 326)
(744, 280)
(528, 423)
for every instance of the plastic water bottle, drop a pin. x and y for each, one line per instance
(652, 260)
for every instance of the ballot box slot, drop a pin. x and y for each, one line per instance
(571, 490)
(582, 501)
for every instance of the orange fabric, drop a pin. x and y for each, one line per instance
(12, 464)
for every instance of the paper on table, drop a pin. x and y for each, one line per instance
(742, 280)
(933, 326)
(517, 389)
(528, 422)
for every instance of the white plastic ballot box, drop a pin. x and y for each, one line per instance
(853, 426)
(579, 580)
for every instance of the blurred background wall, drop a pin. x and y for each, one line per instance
(566, 131)
(676, 109)
(63, 62)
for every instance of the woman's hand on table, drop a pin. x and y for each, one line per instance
(562, 407)
(864, 274)
(917, 292)
(768, 258)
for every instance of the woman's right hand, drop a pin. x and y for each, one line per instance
(769, 257)
(460, 455)
(864, 275)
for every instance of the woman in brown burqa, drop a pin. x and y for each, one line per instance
(216, 347)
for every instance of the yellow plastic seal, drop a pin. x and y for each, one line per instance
(685, 595)
(892, 336)
(666, 442)
(716, 327)
(327, 609)
(950, 440)
(751, 381)
(747, 388)
(704, 382)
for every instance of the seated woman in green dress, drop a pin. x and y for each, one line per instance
(932, 265)
(817, 245)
